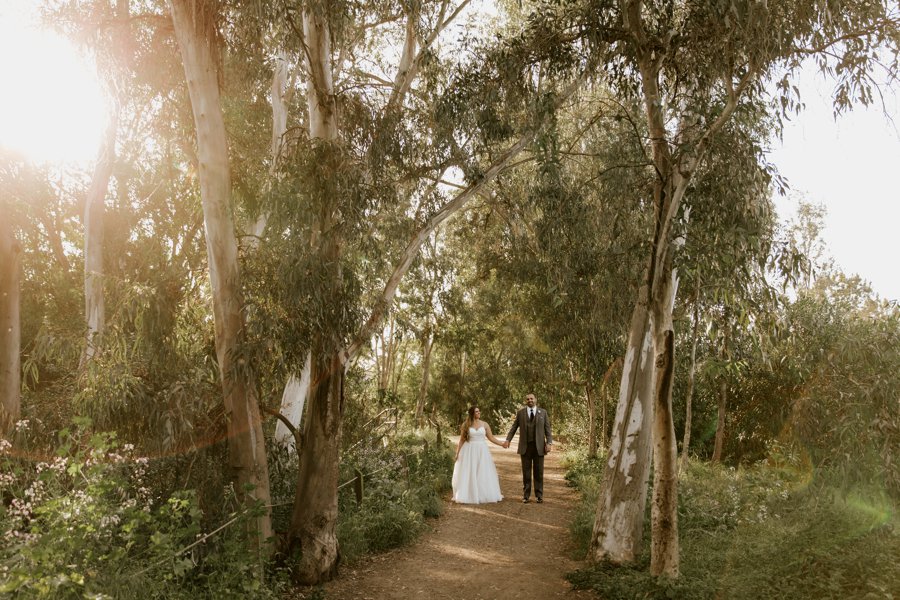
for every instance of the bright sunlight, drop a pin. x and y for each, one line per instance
(52, 109)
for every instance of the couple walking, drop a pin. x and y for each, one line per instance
(475, 479)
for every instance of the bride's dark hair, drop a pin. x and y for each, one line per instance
(470, 420)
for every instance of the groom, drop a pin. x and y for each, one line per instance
(535, 441)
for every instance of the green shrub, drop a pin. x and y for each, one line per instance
(402, 487)
(84, 524)
(584, 474)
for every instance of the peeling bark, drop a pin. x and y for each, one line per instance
(619, 520)
(314, 516)
(664, 548)
(623, 493)
(280, 92)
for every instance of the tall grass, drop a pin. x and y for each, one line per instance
(758, 533)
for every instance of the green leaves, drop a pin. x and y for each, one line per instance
(86, 524)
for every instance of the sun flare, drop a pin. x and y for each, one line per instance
(52, 108)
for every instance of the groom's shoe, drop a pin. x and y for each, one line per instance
(525, 500)
(540, 500)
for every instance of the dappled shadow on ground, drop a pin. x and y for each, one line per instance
(508, 550)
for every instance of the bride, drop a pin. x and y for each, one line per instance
(475, 478)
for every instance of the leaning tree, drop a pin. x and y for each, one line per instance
(355, 196)
(694, 67)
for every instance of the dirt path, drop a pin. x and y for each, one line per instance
(507, 550)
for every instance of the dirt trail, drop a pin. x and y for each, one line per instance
(508, 550)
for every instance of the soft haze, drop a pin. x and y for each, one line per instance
(850, 165)
(53, 110)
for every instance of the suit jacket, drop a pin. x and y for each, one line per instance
(542, 433)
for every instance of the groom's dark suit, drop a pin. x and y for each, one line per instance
(534, 436)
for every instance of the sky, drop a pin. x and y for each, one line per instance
(849, 164)
(52, 109)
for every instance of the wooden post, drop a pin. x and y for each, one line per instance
(358, 486)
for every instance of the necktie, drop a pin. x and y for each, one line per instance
(531, 414)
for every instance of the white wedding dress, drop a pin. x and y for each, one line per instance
(475, 479)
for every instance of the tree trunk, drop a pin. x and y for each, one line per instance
(296, 390)
(399, 368)
(246, 445)
(664, 548)
(10, 325)
(314, 517)
(592, 419)
(293, 399)
(612, 538)
(323, 122)
(385, 359)
(462, 375)
(623, 493)
(426, 371)
(619, 521)
(94, 311)
(689, 394)
(603, 401)
(604, 418)
(315, 512)
(720, 422)
(281, 91)
(723, 395)
(54, 239)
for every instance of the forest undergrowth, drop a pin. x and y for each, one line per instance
(774, 529)
(88, 519)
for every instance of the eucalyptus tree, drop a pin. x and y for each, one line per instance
(356, 195)
(844, 412)
(391, 352)
(195, 24)
(35, 223)
(94, 226)
(101, 28)
(694, 66)
(10, 323)
(94, 308)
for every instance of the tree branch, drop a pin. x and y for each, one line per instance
(412, 249)
(298, 436)
(445, 212)
(859, 33)
(409, 65)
